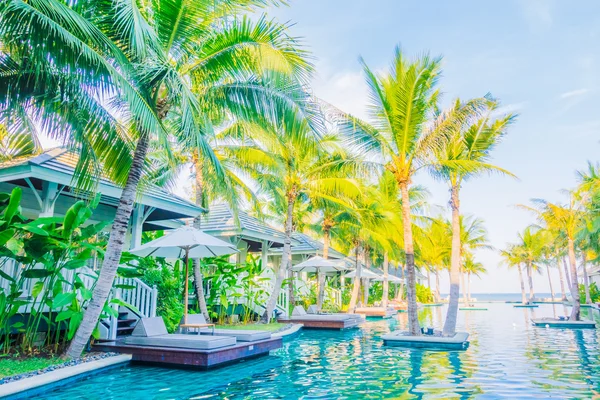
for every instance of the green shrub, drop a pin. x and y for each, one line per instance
(169, 304)
(594, 293)
(424, 294)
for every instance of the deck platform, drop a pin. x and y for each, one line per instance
(558, 323)
(376, 312)
(526, 306)
(191, 357)
(322, 324)
(401, 339)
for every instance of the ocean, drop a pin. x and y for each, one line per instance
(483, 297)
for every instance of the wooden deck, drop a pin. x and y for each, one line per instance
(322, 324)
(376, 312)
(192, 357)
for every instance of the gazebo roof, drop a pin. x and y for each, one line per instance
(58, 166)
(221, 221)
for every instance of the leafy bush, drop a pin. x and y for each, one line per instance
(50, 251)
(594, 293)
(424, 294)
(166, 278)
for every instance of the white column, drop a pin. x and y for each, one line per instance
(49, 193)
(137, 222)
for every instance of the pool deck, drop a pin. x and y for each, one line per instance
(376, 312)
(322, 324)
(192, 357)
(557, 323)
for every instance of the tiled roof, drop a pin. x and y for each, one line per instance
(63, 162)
(221, 221)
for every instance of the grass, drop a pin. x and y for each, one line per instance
(257, 327)
(10, 366)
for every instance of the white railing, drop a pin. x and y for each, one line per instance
(141, 296)
(336, 295)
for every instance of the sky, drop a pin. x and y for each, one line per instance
(540, 58)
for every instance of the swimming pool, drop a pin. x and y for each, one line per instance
(507, 358)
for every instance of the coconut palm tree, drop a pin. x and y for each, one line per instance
(18, 138)
(164, 68)
(434, 249)
(512, 257)
(465, 154)
(401, 103)
(531, 247)
(306, 171)
(565, 218)
(472, 267)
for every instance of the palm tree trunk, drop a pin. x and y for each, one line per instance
(575, 311)
(523, 296)
(198, 283)
(452, 314)
(586, 281)
(530, 278)
(286, 260)
(550, 281)
(386, 284)
(438, 294)
(469, 287)
(562, 281)
(411, 283)
(462, 282)
(567, 274)
(356, 285)
(400, 294)
(114, 249)
(321, 276)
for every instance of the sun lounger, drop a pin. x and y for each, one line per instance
(153, 332)
(240, 335)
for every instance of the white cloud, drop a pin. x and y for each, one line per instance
(574, 93)
(345, 89)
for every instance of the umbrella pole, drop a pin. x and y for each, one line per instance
(185, 299)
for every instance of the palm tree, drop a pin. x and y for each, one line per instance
(402, 101)
(164, 67)
(465, 154)
(513, 258)
(472, 267)
(18, 140)
(306, 171)
(435, 250)
(531, 249)
(565, 218)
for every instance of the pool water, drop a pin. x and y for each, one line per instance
(507, 358)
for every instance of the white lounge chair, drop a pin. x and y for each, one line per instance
(153, 332)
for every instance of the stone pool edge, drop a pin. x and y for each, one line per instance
(288, 333)
(28, 387)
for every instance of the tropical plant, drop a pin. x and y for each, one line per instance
(306, 170)
(52, 254)
(472, 133)
(513, 259)
(566, 219)
(402, 103)
(170, 69)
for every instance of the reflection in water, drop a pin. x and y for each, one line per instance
(508, 358)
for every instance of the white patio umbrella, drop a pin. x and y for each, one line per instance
(319, 264)
(364, 274)
(185, 242)
(391, 278)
